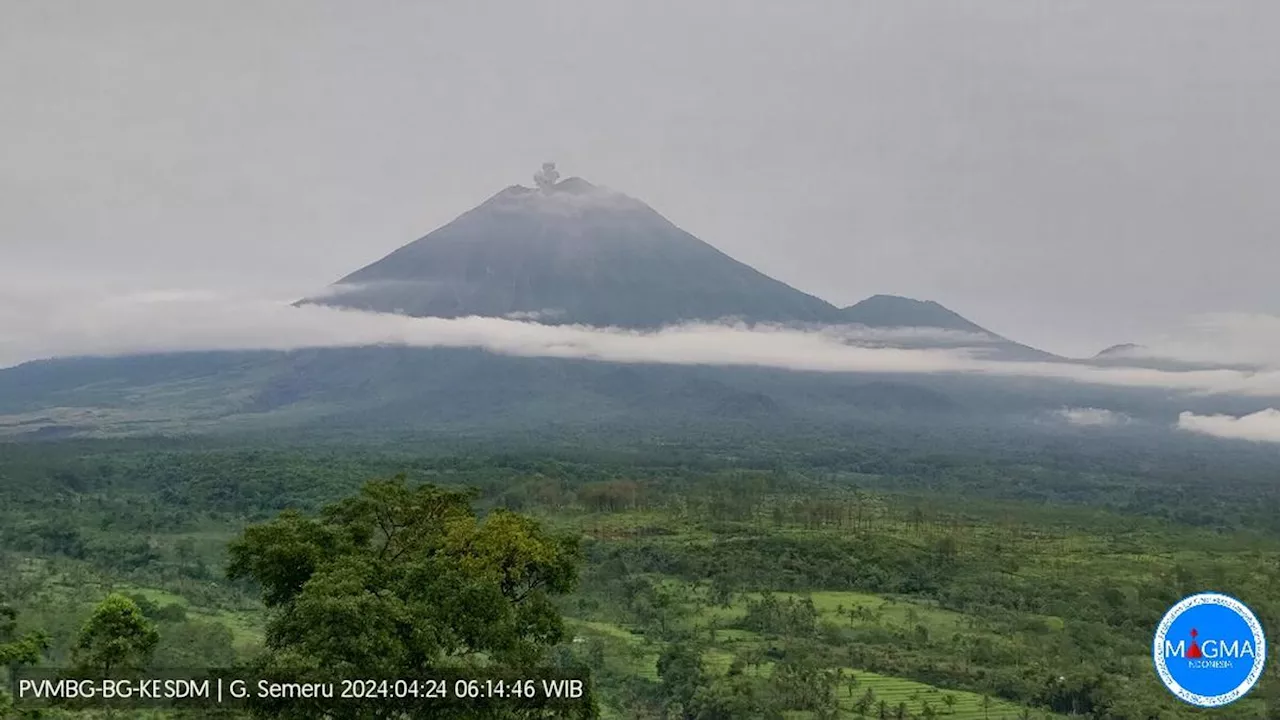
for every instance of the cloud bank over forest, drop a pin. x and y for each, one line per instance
(1263, 426)
(45, 322)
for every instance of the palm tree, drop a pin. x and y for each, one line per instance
(950, 701)
(986, 706)
(882, 709)
(900, 712)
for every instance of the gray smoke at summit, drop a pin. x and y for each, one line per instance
(546, 177)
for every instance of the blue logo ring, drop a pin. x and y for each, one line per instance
(1179, 667)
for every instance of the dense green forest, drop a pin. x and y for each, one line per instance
(683, 581)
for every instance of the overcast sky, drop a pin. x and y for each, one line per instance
(1071, 174)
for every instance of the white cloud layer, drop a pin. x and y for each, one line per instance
(1263, 426)
(1093, 417)
(65, 322)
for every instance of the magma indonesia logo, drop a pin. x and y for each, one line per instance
(1209, 650)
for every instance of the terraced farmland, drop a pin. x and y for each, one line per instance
(916, 696)
(627, 652)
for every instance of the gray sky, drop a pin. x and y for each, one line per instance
(1071, 174)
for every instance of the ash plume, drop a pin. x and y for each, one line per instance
(546, 177)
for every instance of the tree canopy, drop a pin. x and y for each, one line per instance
(16, 650)
(116, 638)
(400, 581)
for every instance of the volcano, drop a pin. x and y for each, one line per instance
(570, 252)
(559, 252)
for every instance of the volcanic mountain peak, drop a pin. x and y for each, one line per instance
(568, 251)
(569, 197)
(893, 311)
(575, 252)
(897, 311)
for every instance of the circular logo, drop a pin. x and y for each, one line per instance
(1209, 650)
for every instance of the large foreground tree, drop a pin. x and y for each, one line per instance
(407, 582)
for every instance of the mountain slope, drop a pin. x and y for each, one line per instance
(388, 392)
(887, 311)
(570, 252)
(895, 312)
(1122, 350)
(1141, 356)
(386, 389)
